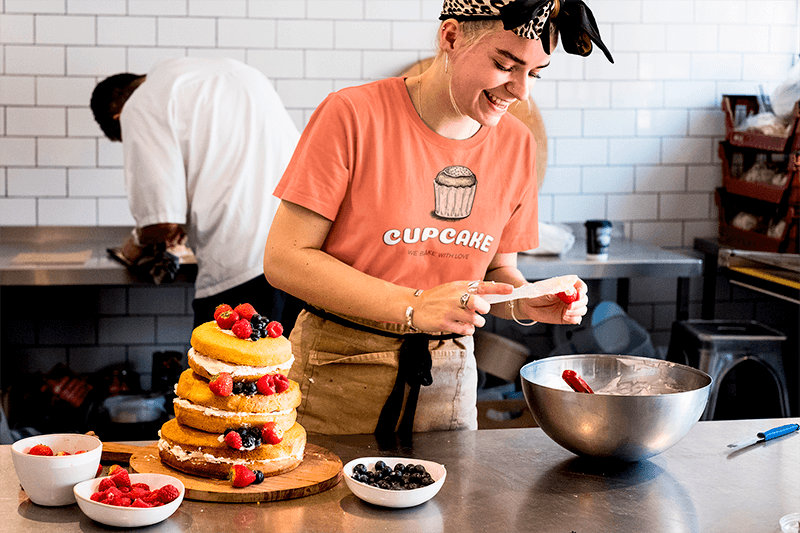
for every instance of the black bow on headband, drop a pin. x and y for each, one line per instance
(574, 22)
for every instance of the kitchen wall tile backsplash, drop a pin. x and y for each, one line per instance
(655, 111)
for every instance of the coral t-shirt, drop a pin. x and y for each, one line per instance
(407, 205)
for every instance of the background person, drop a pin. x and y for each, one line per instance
(205, 143)
(405, 202)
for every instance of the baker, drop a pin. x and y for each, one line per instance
(404, 204)
(205, 143)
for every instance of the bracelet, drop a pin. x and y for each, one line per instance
(511, 305)
(410, 312)
(410, 318)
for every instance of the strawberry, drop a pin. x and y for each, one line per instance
(121, 478)
(234, 440)
(80, 451)
(268, 435)
(281, 382)
(242, 329)
(41, 449)
(266, 385)
(222, 384)
(226, 319)
(62, 453)
(105, 484)
(167, 493)
(569, 298)
(274, 329)
(221, 308)
(245, 311)
(99, 470)
(241, 476)
(113, 468)
(138, 502)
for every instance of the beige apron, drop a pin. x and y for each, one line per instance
(346, 376)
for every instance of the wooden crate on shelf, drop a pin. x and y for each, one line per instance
(762, 191)
(730, 205)
(751, 139)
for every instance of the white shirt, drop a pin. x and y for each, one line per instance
(205, 142)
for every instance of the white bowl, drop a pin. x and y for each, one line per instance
(111, 515)
(394, 498)
(48, 480)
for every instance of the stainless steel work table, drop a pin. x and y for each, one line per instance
(509, 480)
(627, 259)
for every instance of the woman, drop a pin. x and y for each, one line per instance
(404, 205)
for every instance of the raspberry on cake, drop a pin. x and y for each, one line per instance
(222, 416)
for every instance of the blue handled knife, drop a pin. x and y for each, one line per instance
(773, 433)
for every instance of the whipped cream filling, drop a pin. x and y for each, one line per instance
(211, 411)
(182, 455)
(215, 366)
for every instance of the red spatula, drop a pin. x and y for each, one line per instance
(576, 382)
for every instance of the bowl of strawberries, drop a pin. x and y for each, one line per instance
(129, 500)
(49, 466)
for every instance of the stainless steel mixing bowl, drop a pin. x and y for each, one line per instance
(641, 406)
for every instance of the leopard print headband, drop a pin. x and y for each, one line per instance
(531, 18)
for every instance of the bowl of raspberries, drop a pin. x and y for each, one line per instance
(394, 481)
(48, 466)
(122, 499)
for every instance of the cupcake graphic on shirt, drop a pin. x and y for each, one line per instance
(454, 191)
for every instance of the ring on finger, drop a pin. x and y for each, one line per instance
(464, 300)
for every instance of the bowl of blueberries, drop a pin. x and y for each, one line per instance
(394, 481)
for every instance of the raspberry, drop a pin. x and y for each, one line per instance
(105, 484)
(569, 298)
(143, 486)
(121, 478)
(96, 496)
(242, 329)
(227, 319)
(241, 476)
(221, 308)
(222, 385)
(281, 382)
(266, 385)
(41, 449)
(140, 503)
(245, 311)
(122, 502)
(234, 440)
(274, 329)
(167, 493)
(111, 495)
(268, 435)
(138, 493)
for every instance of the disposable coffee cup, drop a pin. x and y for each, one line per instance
(598, 239)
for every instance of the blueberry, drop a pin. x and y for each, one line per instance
(248, 441)
(254, 336)
(360, 468)
(400, 467)
(380, 465)
(237, 387)
(259, 476)
(249, 388)
(254, 320)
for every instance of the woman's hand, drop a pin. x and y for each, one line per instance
(455, 307)
(551, 309)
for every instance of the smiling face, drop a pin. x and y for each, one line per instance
(493, 73)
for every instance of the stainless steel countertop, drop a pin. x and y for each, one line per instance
(627, 259)
(99, 269)
(509, 480)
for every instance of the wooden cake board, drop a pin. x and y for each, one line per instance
(319, 471)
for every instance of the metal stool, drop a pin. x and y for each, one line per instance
(716, 346)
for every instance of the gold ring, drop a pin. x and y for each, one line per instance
(464, 300)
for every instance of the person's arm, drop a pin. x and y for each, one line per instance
(548, 309)
(295, 263)
(171, 234)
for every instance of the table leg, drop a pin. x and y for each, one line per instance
(709, 286)
(682, 304)
(623, 292)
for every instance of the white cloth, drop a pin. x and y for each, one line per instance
(205, 141)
